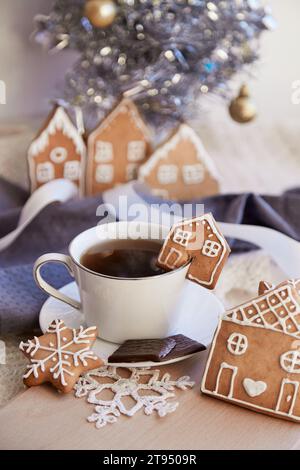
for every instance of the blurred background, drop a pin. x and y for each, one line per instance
(32, 77)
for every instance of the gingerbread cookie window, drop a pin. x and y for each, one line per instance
(136, 151)
(44, 172)
(211, 249)
(104, 173)
(237, 344)
(72, 170)
(193, 174)
(104, 152)
(182, 237)
(167, 174)
(290, 361)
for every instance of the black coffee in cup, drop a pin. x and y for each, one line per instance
(124, 258)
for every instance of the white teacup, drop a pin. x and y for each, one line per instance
(121, 308)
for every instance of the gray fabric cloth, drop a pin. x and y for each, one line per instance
(57, 224)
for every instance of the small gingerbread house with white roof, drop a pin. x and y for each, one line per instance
(254, 360)
(181, 168)
(58, 151)
(117, 148)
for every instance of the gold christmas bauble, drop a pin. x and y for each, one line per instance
(101, 13)
(242, 109)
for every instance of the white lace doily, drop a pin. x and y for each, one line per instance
(238, 282)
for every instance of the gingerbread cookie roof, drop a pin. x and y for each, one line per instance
(59, 121)
(278, 310)
(184, 132)
(125, 106)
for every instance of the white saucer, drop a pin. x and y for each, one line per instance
(198, 319)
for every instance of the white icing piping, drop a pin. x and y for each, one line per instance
(124, 106)
(59, 122)
(280, 326)
(235, 400)
(184, 132)
(283, 383)
(59, 370)
(208, 218)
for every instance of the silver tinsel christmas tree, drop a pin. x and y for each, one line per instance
(164, 54)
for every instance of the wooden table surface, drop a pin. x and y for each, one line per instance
(40, 418)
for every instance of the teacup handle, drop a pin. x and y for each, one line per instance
(54, 258)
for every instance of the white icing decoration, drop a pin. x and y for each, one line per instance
(211, 249)
(58, 155)
(268, 286)
(136, 151)
(234, 370)
(204, 219)
(45, 172)
(167, 174)
(296, 388)
(193, 174)
(104, 152)
(290, 361)
(60, 121)
(237, 344)
(182, 237)
(229, 317)
(104, 173)
(125, 106)
(184, 132)
(151, 395)
(56, 353)
(283, 317)
(254, 388)
(72, 170)
(176, 254)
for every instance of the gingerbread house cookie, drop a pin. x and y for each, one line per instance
(254, 360)
(199, 241)
(58, 151)
(181, 168)
(117, 148)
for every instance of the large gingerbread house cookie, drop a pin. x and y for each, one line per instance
(254, 359)
(199, 241)
(58, 151)
(181, 168)
(117, 148)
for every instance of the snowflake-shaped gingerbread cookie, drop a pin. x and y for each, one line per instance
(60, 356)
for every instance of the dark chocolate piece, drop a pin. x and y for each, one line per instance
(184, 347)
(140, 350)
